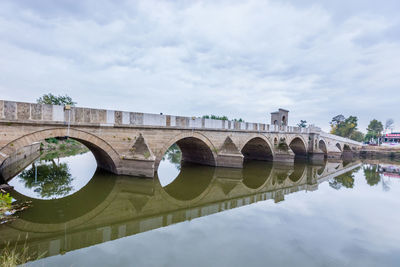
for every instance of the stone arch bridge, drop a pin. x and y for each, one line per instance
(131, 143)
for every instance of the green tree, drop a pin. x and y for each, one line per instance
(51, 99)
(357, 136)
(302, 124)
(215, 117)
(374, 129)
(343, 126)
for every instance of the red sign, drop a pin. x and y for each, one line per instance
(393, 135)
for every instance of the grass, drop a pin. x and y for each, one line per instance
(12, 256)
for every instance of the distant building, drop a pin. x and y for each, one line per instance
(280, 117)
(391, 138)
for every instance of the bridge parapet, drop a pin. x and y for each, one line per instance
(34, 113)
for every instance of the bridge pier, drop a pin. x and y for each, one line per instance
(137, 167)
(284, 157)
(317, 157)
(230, 160)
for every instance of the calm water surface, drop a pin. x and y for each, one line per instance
(335, 214)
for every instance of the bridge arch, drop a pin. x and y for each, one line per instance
(195, 148)
(298, 146)
(107, 158)
(339, 147)
(322, 146)
(257, 147)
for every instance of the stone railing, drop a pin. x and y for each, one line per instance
(30, 112)
(339, 138)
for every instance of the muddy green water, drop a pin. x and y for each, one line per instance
(334, 214)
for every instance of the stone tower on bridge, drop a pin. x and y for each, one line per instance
(280, 117)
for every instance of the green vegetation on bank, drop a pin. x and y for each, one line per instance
(58, 148)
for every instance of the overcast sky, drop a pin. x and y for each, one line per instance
(236, 58)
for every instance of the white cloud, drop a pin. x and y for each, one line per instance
(241, 59)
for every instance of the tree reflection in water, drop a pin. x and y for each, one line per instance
(371, 174)
(174, 156)
(346, 180)
(49, 180)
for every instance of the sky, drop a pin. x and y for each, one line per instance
(242, 59)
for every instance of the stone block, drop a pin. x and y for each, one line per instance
(58, 113)
(36, 112)
(86, 115)
(47, 112)
(110, 116)
(10, 110)
(118, 117)
(182, 121)
(79, 115)
(1, 109)
(136, 118)
(102, 116)
(94, 116)
(23, 111)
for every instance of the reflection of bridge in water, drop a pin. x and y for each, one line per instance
(109, 208)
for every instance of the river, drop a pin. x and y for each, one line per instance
(333, 214)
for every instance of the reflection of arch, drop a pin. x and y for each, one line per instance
(298, 172)
(76, 209)
(322, 146)
(298, 146)
(321, 170)
(255, 174)
(338, 146)
(257, 148)
(191, 185)
(195, 148)
(107, 158)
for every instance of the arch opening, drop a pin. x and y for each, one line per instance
(185, 151)
(195, 151)
(322, 147)
(298, 147)
(52, 165)
(52, 169)
(338, 146)
(257, 149)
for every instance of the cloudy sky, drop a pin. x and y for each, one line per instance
(236, 58)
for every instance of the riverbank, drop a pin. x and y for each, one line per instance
(380, 152)
(60, 148)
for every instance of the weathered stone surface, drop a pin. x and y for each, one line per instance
(36, 111)
(47, 112)
(79, 114)
(136, 118)
(118, 117)
(1, 109)
(94, 116)
(102, 116)
(23, 111)
(202, 141)
(10, 110)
